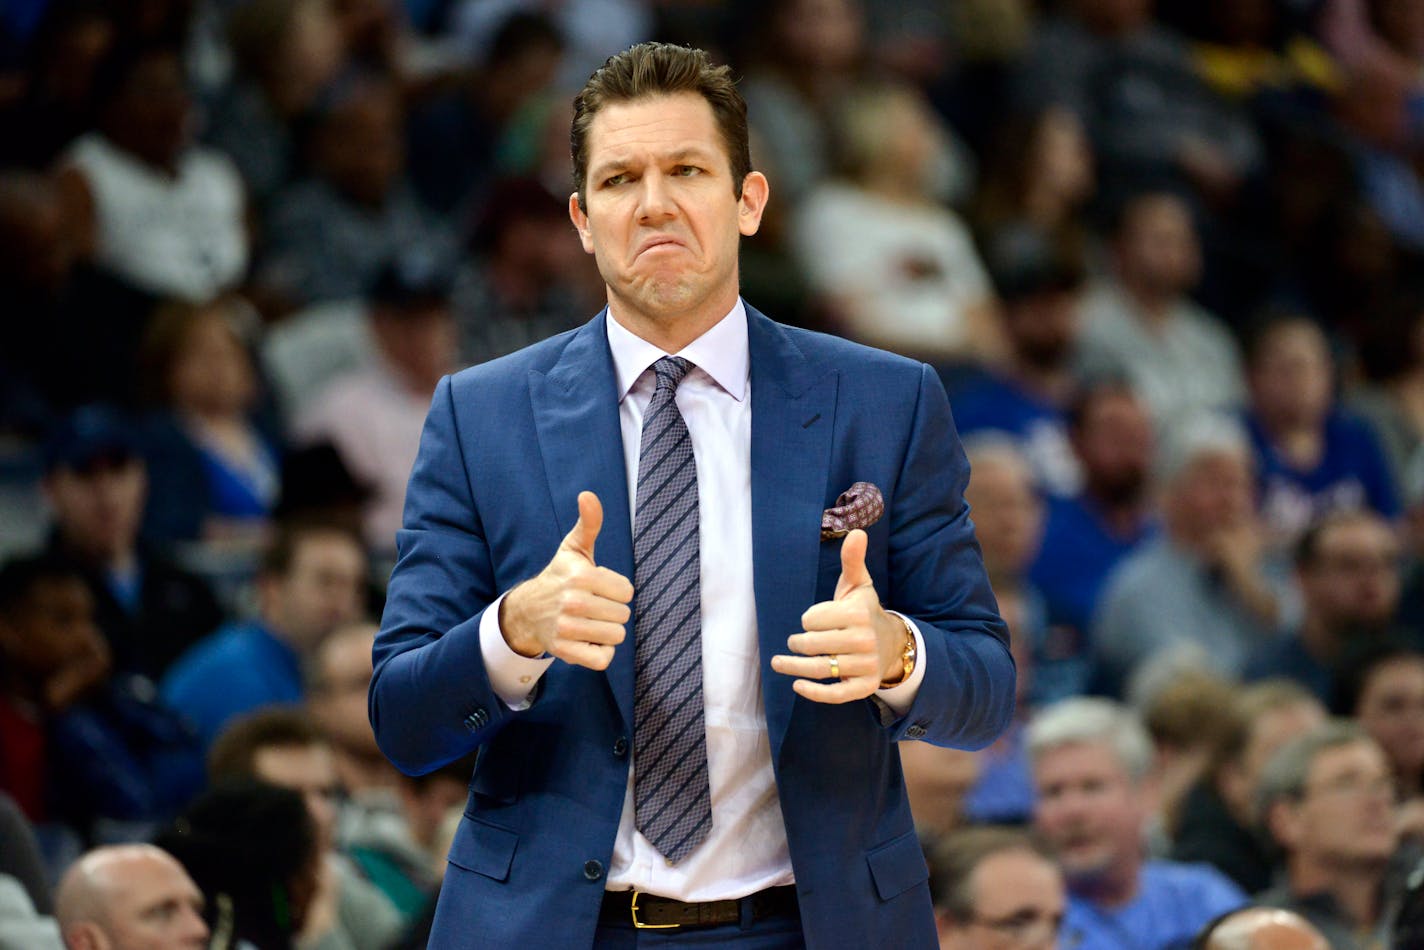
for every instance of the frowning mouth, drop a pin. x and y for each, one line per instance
(654, 243)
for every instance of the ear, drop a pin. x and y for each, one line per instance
(85, 935)
(1284, 822)
(755, 192)
(580, 221)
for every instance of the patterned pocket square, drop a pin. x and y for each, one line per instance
(859, 506)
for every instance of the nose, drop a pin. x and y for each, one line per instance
(654, 198)
(195, 927)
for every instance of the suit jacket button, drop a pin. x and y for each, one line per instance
(620, 746)
(915, 732)
(593, 870)
(477, 720)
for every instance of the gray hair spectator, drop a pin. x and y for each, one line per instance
(129, 897)
(1092, 762)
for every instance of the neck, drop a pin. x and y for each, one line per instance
(1354, 886)
(1298, 440)
(672, 332)
(1114, 887)
(1121, 516)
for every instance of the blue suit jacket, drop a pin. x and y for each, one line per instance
(507, 447)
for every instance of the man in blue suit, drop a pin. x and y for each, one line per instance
(631, 575)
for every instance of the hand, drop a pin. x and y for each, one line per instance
(572, 609)
(85, 669)
(866, 642)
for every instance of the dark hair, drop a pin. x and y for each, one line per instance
(1307, 547)
(660, 69)
(955, 857)
(1090, 391)
(1266, 325)
(112, 74)
(247, 845)
(1359, 663)
(281, 552)
(20, 576)
(234, 752)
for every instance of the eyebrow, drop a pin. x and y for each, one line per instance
(681, 156)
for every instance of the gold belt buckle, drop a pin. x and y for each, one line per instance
(638, 924)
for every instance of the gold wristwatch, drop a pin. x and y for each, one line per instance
(907, 655)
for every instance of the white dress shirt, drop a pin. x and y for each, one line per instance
(746, 850)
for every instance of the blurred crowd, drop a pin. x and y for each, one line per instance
(1167, 256)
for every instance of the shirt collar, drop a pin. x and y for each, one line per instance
(721, 353)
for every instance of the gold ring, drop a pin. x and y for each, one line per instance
(835, 667)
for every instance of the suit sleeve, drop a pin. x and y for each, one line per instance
(937, 578)
(431, 700)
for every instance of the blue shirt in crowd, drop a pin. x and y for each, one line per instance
(989, 402)
(239, 668)
(1173, 902)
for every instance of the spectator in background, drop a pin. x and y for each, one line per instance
(1391, 395)
(338, 680)
(330, 237)
(520, 283)
(895, 267)
(995, 888)
(285, 53)
(130, 897)
(1217, 823)
(1311, 458)
(1377, 38)
(281, 747)
(311, 580)
(1381, 686)
(1348, 573)
(1203, 593)
(96, 484)
(1188, 717)
(1086, 535)
(1140, 325)
(1260, 928)
(374, 416)
(1327, 799)
(1381, 127)
(1038, 285)
(1254, 50)
(456, 138)
(937, 780)
(252, 850)
(80, 747)
(1091, 761)
(169, 215)
(209, 462)
(54, 106)
(1133, 82)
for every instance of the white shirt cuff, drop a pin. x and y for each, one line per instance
(902, 695)
(512, 676)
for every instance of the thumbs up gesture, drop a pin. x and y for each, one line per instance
(572, 609)
(849, 640)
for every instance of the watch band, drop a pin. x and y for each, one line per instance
(908, 656)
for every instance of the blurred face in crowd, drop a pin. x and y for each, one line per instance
(1019, 901)
(1391, 710)
(98, 508)
(53, 629)
(662, 219)
(212, 373)
(310, 770)
(820, 35)
(1114, 444)
(150, 114)
(1345, 817)
(1353, 581)
(133, 897)
(937, 780)
(360, 149)
(1269, 731)
(322, 589)
(1062, 161)
(1043, 327)
(1089, 810)
(1157, 251)
(1291, 376)
(1214, 492)
(1266, 928)
(42, 229)
(1007, 512)
(338, 698)
(421, 342)
(310, 53)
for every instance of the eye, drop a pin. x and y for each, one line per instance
(687, 171)
(617, 179)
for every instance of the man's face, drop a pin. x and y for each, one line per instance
(1345, 818)
(1019, 902)
(1213, 493)
(1114, 442)
(1391, 709)
(339, 704)
(152, 904)
(1008, 515)
(1291, 377)
(1044, 327)
(322, 589)
(53, 628)
(310, 770)
(663, 220)
(1353, 580)
(1089, 809)
(1157, 248)
(1269, 731)
(99, 508)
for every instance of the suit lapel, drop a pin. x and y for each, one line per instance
(576, 419)
(793, 415)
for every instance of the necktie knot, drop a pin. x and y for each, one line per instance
(670, 370)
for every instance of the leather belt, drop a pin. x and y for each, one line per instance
(648, 911)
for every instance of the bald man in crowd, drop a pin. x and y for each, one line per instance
(1260, 928)
(128, 897)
